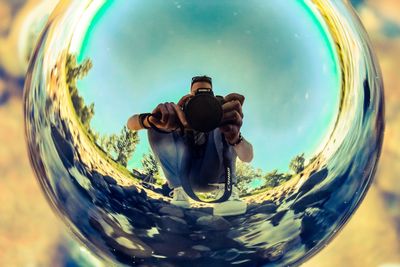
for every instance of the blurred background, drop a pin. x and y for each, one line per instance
(32, 235)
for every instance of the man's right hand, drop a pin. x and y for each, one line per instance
(168, 117)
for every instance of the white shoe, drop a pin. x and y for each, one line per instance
(180, 198)
(233, 206)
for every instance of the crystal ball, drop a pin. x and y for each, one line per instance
(310, 118)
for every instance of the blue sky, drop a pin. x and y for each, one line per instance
(274, 52)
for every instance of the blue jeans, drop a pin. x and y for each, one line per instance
(178, 162)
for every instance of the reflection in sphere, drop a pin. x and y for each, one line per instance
(313, 113)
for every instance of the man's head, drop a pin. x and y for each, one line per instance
(200, 82)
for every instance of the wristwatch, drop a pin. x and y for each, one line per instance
(238, 141)
(142, 117)
(145, 117)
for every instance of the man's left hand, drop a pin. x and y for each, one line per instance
(232, 119)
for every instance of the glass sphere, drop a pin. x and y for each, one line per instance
(312, 126)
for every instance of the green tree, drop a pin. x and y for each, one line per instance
(125, 145)
(120, 147)
(107, 143)
(152, 169)
(75, 72)
(297, 164)
(150, 165)
(274, 178)
(245, 174)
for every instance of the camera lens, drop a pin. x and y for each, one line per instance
(203, 112)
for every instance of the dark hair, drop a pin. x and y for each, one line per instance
(201, 79)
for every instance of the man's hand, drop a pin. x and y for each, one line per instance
(168, 117)
(232, 119)
(183, 100)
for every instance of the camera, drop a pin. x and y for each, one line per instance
(204, 111)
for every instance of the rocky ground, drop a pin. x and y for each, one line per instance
(369, 239)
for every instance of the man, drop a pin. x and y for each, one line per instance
(168, 131)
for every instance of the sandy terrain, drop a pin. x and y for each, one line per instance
(28, 228)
